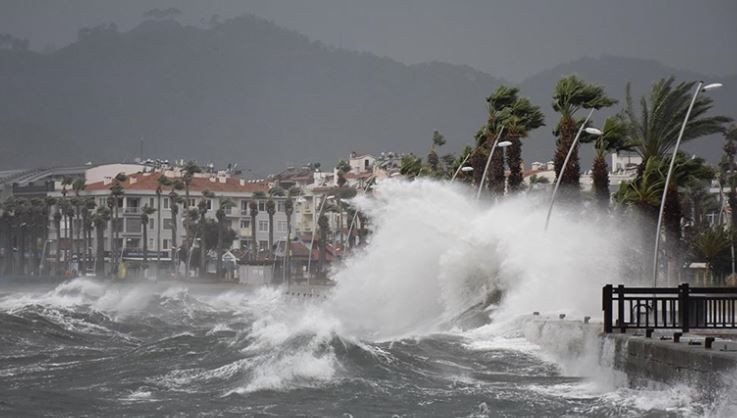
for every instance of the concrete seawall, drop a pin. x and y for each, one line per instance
(585, 350)
(644, 360)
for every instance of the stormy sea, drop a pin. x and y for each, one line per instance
(431, 318)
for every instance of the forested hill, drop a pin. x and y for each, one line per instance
(250, 92)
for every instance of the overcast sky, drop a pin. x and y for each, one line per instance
(509, 39)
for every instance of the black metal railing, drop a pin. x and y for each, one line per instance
(681, 307)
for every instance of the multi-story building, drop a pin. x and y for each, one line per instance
(140, 190)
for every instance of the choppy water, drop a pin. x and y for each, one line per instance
(86, 347)
(385, 341)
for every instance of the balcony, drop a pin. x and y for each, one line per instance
(131, 211)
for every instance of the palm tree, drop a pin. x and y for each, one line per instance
(613, 138)
(324, 226)
(433, 160)
(174, 200)
(202, 209)
(288, 211)
(521, 118)
(116, 193)
(88, 204)
(100, 219)
(161, 182)
(189, 170)
(572, 94)
(271, 210)
(253, 207)
(146, 211)
(730, 151)
(224, 205)
(49, 202)
(78, 185)
(653, 130)
(57, 227)
(411, 166)
(712, 246)
(499, 109)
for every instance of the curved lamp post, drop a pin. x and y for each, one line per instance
(488, 162)
(503, 145)
(592, 131)
(699, 88)
(312, 241)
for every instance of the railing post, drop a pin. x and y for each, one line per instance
(620, 308)
(683, 303)
(606, 305)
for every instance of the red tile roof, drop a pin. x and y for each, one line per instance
(141, 181)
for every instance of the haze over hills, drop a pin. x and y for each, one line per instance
(249, 92)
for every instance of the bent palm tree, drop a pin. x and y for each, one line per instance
(653, 130)
(571, 95)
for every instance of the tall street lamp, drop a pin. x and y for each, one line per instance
(488, 161)
(592, 131)
(503, 145)
(699, 88)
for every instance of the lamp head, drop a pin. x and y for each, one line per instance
(593, 131)
(466, 169)
(504, 144)
(711, 86)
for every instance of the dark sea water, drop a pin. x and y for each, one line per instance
(88, 347)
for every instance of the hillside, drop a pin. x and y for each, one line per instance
(244, 91)
(249, 92)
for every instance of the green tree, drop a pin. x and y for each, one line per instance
(289, 211)
(161, 182)
(146, 212)
(612, 138)
(100, 219)
(253, 211)
(202, 209)
(713, 246)
(271, 210)
(653, 130)
(223, 207)
(571, 95)
(730, 151)
(174, 201)
(520, 118)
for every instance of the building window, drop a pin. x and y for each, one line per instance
(366, 164)
(263, 245)
(280, 206)
(165, 244)
(133, 225)
(118, 225)
(263, 226)
(261, 206)
(281, 226)
(192, 203)
(245, 223)
(209, 204)
(151, 224)
(151, 243)
(166, 203)
(133, 243)
(245, 244)
(151, 202)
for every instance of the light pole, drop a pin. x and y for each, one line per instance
(503, 145)
(312, 241)
(699, 88)
(488, 161)
(592, 131)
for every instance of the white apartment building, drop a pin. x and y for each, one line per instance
(140, 190)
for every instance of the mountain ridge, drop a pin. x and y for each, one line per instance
(250, 92)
